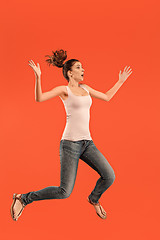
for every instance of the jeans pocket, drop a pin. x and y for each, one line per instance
(71, 146)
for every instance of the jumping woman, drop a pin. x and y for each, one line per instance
(76, 142)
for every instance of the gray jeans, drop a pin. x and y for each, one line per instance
(70, 152)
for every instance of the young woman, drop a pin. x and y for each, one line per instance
(76, 142)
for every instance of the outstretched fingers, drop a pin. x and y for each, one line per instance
(128, 74)
(32, 62)
(128, 70)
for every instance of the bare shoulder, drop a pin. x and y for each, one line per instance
(95, 93)
(87, 87)
(59, 89)
(56, 91)
(64, 89)
(64, 92)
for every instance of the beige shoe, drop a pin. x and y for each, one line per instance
(15, 198)
(99, 210)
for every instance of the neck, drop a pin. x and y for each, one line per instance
(73, 84)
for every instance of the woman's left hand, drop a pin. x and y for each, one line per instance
(123, 76)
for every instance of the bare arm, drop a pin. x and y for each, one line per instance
(109, 94)
(104, 96)
(122, 78)
(96, 94)
(38, 89)
(40, 97)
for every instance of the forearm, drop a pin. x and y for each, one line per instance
(38, 89)
(113, 90)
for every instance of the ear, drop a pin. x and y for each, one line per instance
(69, 73)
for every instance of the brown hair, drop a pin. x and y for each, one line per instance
(57, 60)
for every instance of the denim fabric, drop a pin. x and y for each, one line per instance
(70, 152)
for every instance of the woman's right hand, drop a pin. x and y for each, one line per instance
(36, 69)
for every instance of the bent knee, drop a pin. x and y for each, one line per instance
(111, 177)
(65, 193)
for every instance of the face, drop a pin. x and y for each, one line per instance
(77, 72)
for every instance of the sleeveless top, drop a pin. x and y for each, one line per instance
(78, 115)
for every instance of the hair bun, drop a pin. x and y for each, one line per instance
(57, 58)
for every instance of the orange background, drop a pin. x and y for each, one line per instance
(105, 36)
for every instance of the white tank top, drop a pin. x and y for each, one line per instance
(78, 115)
